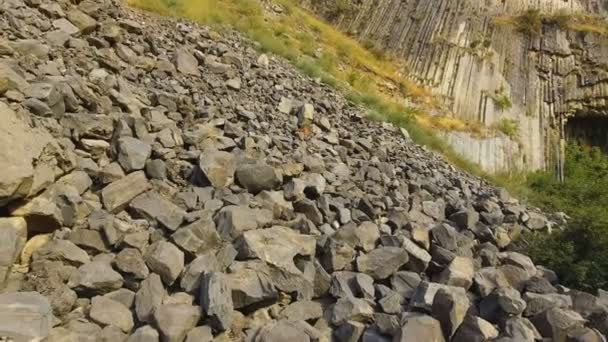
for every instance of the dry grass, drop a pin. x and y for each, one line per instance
(531, 22)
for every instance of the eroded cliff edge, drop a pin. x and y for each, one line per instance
(457, 49)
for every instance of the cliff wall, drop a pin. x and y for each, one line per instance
(456, 48)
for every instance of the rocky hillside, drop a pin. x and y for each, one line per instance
(551, 82)
(164, 182)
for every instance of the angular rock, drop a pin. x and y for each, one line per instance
(108, 312)
(131, 261)
(62, 250)
(149, 297)
(173, 321)
(216, 300)
(277, 246)
(302, 310)
(258, 177)
(13, 234)
(382, 262)
(555, 323)
(25, 316)
(133, 153)
(450, 307)
(198, 238)
(233, 221)
(186, 63)
(96, 276)
(417, 327)
(419, 258)
(250, 287)
(165, 259)
(119, 193)
(460, 272)
(501, 304)
(153, 206)
(193, 274)
(218, 167)
(351, 309)
(144, 334)
(475, 329)
(85, 23)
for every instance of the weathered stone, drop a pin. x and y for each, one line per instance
(131, 261)
(257, 177)
(25, 316)
(277, 246)
(89, 239)
(364, 236)
(193, 274)
(153, 206)
(27, 157)
(85, 23)
(501, 304)
(186, 63)
(123, 296)
(417, 327)
(475, 329)
(233, 221)
(218, 167)
(144, 334)
(350, 331)
(96, 276)
(354, 309)
(555, 323)
(216, 300)
(13, 233)
(200, 334)
(108, 312)
(198, 238)
(419, 258)
(133, 153)
(460, 272)
(302, 310)
(119, 193)
(250, 287)
(450, 307)
(149, 297)
(165, 259)
(382, 262)
(351, 284)
(62, 250)
(175, 320)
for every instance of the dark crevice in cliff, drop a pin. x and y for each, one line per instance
(589, 130)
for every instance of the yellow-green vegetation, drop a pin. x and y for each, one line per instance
(531, 22)
(368, 78)
(502, 101)
(509, 127)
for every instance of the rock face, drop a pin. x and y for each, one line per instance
(460, 52)
(181, 204)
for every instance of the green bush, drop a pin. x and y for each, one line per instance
(530, 23)
(509, 127)
(503, 102)
(579, 253)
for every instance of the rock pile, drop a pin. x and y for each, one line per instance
(163, 182)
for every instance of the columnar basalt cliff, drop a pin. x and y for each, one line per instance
(458, 50)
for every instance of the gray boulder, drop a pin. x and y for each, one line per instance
(133, 153)
(382, 262)
(96, 276)
(218, 167)
(173, 321)
(165, 259)
(258, 177)
(216, 300)
(149, 297)
(25, 316)
(417, 327)
(118, 194)
(153, 206)
(108, 312)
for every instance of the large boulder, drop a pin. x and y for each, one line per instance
(30, 158)
(25, 316)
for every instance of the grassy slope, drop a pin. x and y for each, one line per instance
(366, 77)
